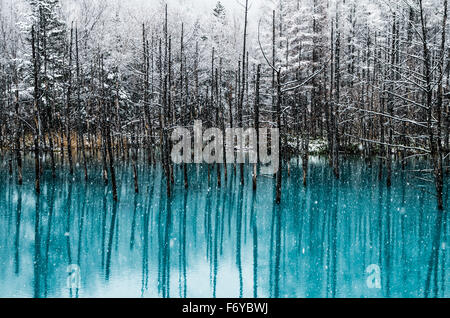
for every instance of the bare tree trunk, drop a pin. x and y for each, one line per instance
(183, 101)
(278, 115)
(37, 120)
(435, 142)
(274, 60)
(111, 160)
(219, 172)
(257, 102)
(391, 108)
(103, 128)
(80, 127)
(241, 101)
(17, 137)
(69, 95)
(134, 158)
(336, 141)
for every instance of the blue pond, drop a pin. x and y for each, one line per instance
(351, 237)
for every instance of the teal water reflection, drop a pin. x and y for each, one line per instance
(223, 242)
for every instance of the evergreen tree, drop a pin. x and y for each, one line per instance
(51, 40)
(219, 11)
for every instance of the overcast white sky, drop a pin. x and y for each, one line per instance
(200, 4)
(208, 5)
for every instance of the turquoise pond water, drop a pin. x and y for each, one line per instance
(228, 242)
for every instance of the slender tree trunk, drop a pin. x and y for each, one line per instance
(435, 142)
(69, 96)
(17, 139)
(391, 109)
(278, 115)
(241, 101)
(134, 158)
(103, 128)
(111, 160)
(183, 100)
(35, 43)
(438, 161)
(257, 102)
(336, 138)
(80, 127)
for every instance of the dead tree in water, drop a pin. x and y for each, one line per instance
(80, 127)
(335, 109)
(166, 110)
(243, 85)
(223, 107)
(257, 102)
(216, 88)
(183, 103)
(134, 158)
(278, 117)
(437, 158)
(49, 125)
(434, 139)
(391, 107)
(111, 160)
(17, 133)
(101, 103)
(305, 139)
(381, 121)
(37, 120)
(145, 70)
(281, 89)
(107, 120)
(68, 106)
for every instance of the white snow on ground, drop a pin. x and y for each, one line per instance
(315, 146)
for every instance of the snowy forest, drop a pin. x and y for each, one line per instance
(106, 81)
(92, 204)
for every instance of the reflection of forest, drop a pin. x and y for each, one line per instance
(220, 242)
